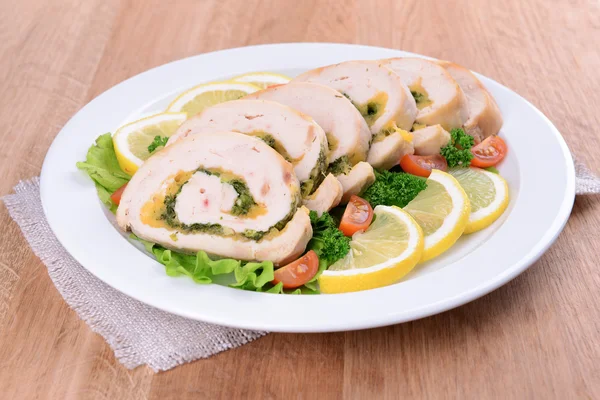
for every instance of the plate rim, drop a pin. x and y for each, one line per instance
(509, 273)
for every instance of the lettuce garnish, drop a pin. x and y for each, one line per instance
(253, 276)
(102, 167)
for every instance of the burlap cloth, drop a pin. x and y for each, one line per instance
(139, 334)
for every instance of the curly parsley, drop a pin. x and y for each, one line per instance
(328, 241)
(393, 189)
(458, 151)
(159, 141)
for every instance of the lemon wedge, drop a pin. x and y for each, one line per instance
(488, 194)
(379, 256)
(200, 97)
(442, 210)
(131, 141)
(262, 79)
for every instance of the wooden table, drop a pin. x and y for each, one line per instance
(537, 337)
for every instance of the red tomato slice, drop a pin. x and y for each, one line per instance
(298, 272)
(422, 165)
(489, 152)
(357, 216)
(116, 196)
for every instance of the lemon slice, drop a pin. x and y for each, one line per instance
(442, 210)
(200, 97)
(131, 141)
(262, 79)
(379, 256)
(488, 194)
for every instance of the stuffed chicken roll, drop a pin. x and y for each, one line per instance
(383, 100)
(225, 193)
(296, 136)
(485, 118)
(439, 98)
(347, 132)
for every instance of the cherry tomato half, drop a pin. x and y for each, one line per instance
(357, 216)
(298, 272)
(422, 165)
(116, 196)
(489, 152)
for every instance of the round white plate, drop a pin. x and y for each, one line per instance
(539, 170)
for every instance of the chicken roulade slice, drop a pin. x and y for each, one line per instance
(387, 151)
(296, 136)
(439, 98)
(374, 89)
(360, 177)
(380, 96)
(225, 193)
(328, 195)
(485, 118)
(347, 132)
(428, 141)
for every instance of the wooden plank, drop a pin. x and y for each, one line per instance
(534, 338)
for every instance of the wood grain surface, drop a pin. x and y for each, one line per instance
(538, 337)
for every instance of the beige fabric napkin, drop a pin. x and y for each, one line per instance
(586, 182)
(139, 334)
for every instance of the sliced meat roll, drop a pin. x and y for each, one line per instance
(226, 193)
(379, 94)
(359, 178)
(347, 132)
(294, 135)
(485, 118)
(387, 151)
(327, 195)
(439, 98)
(429, 140)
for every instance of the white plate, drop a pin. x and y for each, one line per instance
(538, 168)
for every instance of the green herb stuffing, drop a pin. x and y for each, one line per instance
(372, 108)
(419, 97)
(370, 111)
(328, 241)
(102, 167)
(382, 134)
(254, 235)
(317, 175)
(244, 201)
(458, 151)
(340, 166)
(393, 188)
(159, 141)
(269, 140)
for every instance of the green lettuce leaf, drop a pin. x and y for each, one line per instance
(253, 275)
(278, 289)
(102, 167)
(149, 246)
(312, 285)
(199, 267)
